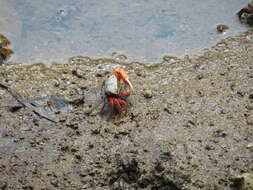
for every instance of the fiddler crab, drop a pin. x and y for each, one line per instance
(115, 93)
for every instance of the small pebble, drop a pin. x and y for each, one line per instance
(249, 145)
(147, 93)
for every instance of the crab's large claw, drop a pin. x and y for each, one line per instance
(121, 75)
(126, 80)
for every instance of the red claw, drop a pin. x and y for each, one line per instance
(118, 104)
(124, 95)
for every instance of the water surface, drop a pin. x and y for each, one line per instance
(144, 30)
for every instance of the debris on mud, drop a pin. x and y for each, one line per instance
(45, 114)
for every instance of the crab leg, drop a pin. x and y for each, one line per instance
(117, 104)
(124, 105)
(111, 104)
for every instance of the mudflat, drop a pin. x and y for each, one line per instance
(189, 124)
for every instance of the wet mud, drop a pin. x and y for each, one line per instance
(189, 125)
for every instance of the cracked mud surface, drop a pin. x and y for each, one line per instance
(188, 127)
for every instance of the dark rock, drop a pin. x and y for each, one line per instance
(167, 110)
(222, 28)
(159, 167)
(219, 133)
(78, 156)
(243, 182)
(246, 14)
(15, 108)
(3, 185)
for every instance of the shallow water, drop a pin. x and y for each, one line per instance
(145, 31)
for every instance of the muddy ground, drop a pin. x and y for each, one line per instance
(190, 125)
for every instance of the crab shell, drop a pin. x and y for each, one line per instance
(111, 86)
